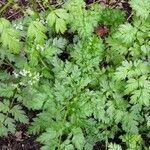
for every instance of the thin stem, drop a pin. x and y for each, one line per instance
(34, 4)
(13, 14)
(41, 6)
(66, 113)
(130, 16)
(21, 9)
(49, 7)
(106, 143)
(44, 64)
(11, 104)
(9, 63)
(6, 5)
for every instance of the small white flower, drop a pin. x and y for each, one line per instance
(14, 25)
(15, 85)
(42, 49)
(30, 82)
(37, 77)
(23, 72)
(30, 74)
(33, 82)
(37, 19)
(21, 83)
(18, 26)
(42, 21)
(15, 74)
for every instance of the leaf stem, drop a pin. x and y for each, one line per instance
(34, 4)
(66, 113)
(11, 103)
(41, 5)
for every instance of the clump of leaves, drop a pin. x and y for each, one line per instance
(101, 89)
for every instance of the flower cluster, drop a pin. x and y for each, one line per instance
(28, 78)
(41, 20)
(18, 26)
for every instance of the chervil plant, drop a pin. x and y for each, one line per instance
(85, 88)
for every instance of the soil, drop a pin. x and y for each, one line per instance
(99, 146)
(14, 11)
(21, 140)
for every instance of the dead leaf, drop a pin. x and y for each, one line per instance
(18, 136)
(102, 31)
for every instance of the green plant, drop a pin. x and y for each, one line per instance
(101, 88)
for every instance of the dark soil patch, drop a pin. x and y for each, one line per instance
(19, 141)
(99, 146)
(7, 67)
(146, 139)
(63, 56)
(14, 11)
(128, 10)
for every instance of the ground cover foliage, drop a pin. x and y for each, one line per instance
(85, 69)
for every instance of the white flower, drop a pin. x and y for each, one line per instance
(37, 19)
(30, 74)
(18, 26)
(15, 74)
(14, 25)
(15, 85)
(30, 82)
(21, 83)
(42, 21)
(37, 77)
(23, 72)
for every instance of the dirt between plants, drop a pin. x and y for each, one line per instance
(19, 141)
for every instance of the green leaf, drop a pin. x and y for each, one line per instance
(59, 42)
(62, 13)
(4, 106)
(114, 147)
(60, 26)
(132, 84)
(10, 124)
(6, 90)
(4, 24)
(141, 96)
(36, 32)
(142, 8)
(126, 34)
(51, 18)
(48, 135)
(8, 36)
(3, 131)
(19, 114)
(58, 18)
(78, 138)
(69, 147)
